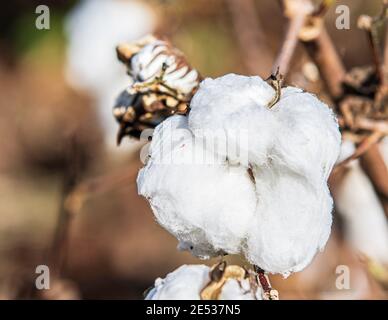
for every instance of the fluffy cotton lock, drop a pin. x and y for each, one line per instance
(188, 281)
(235, 176)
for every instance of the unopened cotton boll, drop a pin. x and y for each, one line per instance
(188, 281)
(271, 202)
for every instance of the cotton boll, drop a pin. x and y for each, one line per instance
(152, 57)
(148, 63)
(275, 209)
(188, 281)
(207, 206)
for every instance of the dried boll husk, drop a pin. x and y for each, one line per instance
(163, 79)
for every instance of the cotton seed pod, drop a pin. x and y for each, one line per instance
(162, 78)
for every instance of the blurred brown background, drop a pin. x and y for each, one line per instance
(53, 140)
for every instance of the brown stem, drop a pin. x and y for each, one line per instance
(373, 125)
(374, 166)
(97, 186)
(262, 279)
(59, 249)
(297, 12)
(322, 51)
(323, 7)
(368, 24)
(362, 148)
(385, 61)
(257, 57)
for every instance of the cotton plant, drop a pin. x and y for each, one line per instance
(236, 165)
(162, 84)
(269, 202)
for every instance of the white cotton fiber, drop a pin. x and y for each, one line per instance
(233, 107)
(207, 206)
(188, 281)
(269, 201)
(185, 283)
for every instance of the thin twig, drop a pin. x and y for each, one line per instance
(59, 249)
(97, 186)
(374, 125)
(322, 51)
(368, 24)
(323, 8)
(297, 11)
(363, 147)
(374, 166)
(257, 57)
(385, 59)
(372, 161)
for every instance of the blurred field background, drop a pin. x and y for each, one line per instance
(53, 138)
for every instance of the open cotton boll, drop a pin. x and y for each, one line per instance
(272, 204)
(188, 281)
(205, 203)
